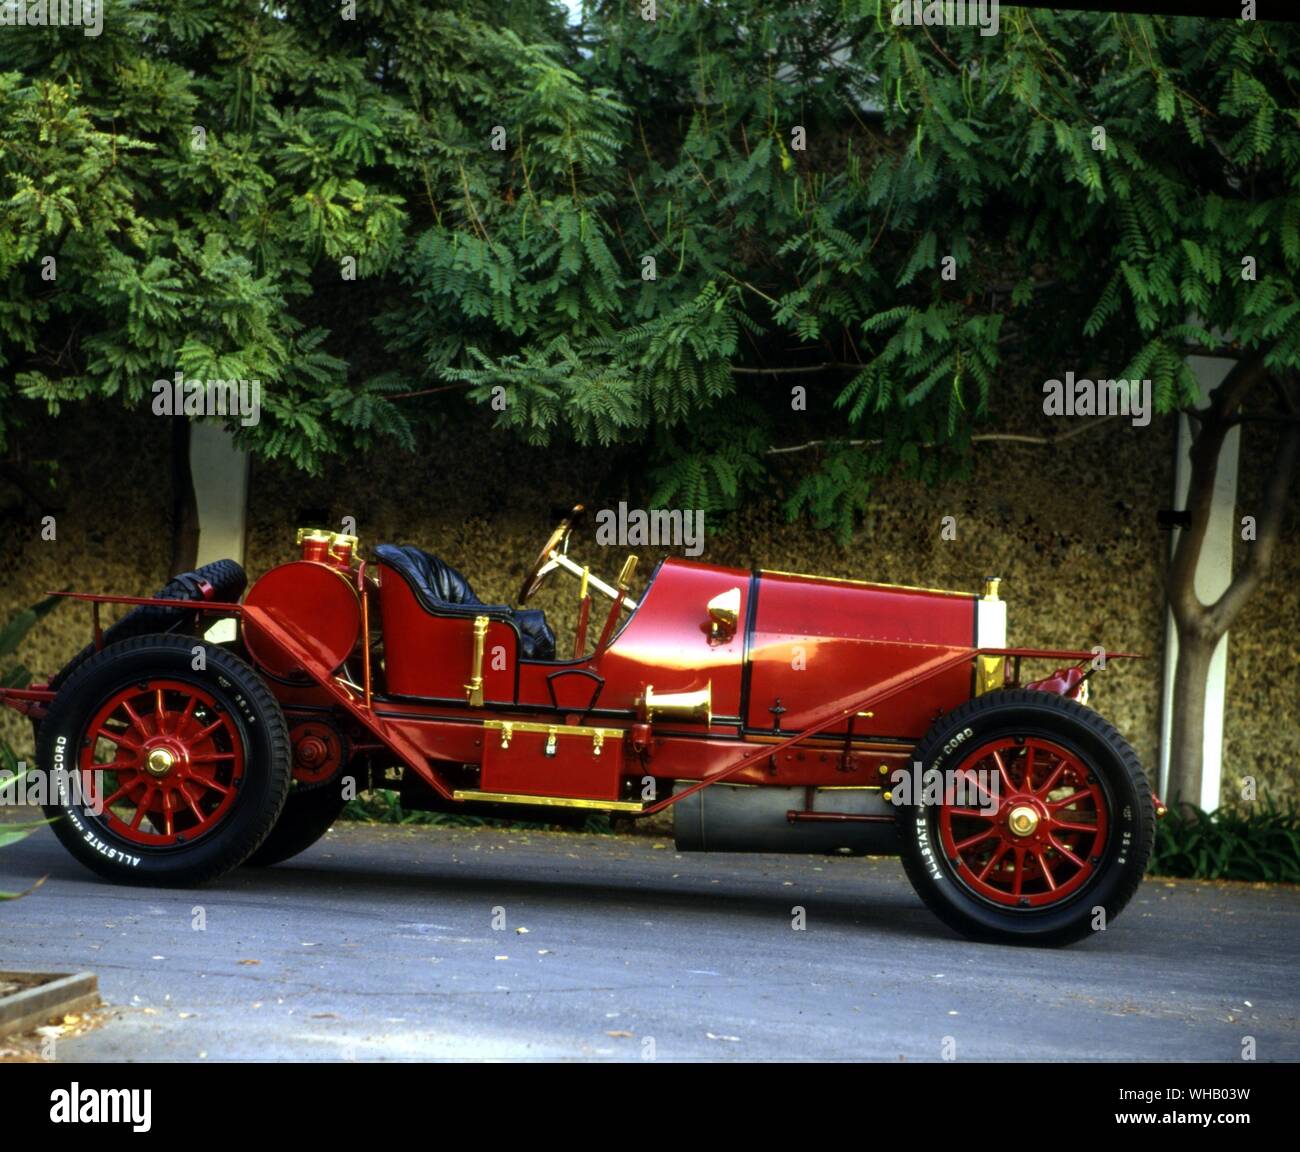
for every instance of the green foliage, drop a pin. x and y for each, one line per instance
(13, 634)
(630, 230)
(1229, 845)
(709, 465)
(169, 256)
(15, 674)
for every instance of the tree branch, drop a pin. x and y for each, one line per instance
(1180, 587)
(797, 370)
(431, 391)
(1259, 558)
(980, 438)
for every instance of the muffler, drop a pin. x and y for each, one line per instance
(761, 818)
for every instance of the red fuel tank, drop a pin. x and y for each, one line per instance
(317, 602)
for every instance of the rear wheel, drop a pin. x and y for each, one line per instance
(161, 772)
(307, 816)
(1029, 819)
(321, 754)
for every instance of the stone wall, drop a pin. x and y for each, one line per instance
(1071, 531)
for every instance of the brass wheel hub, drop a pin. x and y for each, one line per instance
(1023, 820)
(160, 762)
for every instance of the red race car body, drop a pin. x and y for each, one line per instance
(772, 711)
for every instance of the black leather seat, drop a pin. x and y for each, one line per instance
(443, 590)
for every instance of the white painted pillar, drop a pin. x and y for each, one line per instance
(220, 473)
(1213, 575)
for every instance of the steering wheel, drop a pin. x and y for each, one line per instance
(538, 573)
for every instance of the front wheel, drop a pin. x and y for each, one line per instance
(168, 761)
(1026, 819)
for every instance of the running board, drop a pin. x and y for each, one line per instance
(549, 801)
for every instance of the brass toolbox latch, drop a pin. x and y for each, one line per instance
(572, 764)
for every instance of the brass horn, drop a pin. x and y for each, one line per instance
(682, 705)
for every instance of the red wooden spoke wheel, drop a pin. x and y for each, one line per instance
(161, 763)
(1036, 826)
(181, 766)
(1053, 833)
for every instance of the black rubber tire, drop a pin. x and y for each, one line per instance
(228, 581)
(261, 726)
(1021, 712)
(308, 814)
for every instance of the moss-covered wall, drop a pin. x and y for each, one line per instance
(1071, 530)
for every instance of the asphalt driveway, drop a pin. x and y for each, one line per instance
(416, 943)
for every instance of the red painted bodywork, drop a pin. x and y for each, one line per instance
(816, 642)
(823, 683)
(525, 768)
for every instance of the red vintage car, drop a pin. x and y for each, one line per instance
(771, 711)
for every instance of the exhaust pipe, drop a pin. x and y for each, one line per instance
(814, 821)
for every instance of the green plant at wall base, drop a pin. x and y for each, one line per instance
(1227, 845)
(17, 676)
(12, 833)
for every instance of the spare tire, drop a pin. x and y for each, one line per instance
(225, 579)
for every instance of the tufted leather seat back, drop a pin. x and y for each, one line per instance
(441, 589)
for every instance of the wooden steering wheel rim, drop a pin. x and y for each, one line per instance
(534, 580)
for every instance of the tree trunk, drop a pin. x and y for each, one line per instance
(1187, 733)
(1201, 626)
(185, 507)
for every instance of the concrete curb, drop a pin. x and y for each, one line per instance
(57, 995)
